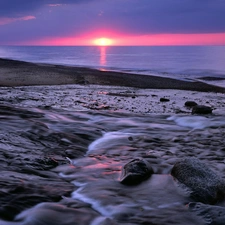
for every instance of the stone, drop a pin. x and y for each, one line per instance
(190, 104)
(135, 172)
(164, 100)
(201, 109)
(57, 214)
(204, 184)
(214, 215)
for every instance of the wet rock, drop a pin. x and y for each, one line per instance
(104, 221)
(135, 172)
(177, 111)
(57, 214)
(19, 192)
(49, 162)
(201, 109)
(190, 104)
(204, 184)
(214, 215)
(164, 100)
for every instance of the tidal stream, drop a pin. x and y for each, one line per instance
(64, 167)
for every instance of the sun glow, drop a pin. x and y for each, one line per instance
(103, 42)
(116, 39)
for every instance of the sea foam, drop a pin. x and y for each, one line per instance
(110, 139)
(196, 122)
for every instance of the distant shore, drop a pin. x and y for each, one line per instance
(19, 73)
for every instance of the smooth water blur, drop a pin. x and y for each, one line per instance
(180, 62)
(97, 145)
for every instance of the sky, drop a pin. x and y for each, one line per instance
(112, 22)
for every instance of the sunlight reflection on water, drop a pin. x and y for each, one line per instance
(103, 56)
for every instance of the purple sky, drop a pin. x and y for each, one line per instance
(30, 20)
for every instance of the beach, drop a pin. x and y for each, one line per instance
(36, 85)
(66, 133)
(19, 73)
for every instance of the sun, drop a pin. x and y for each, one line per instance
(103, 42)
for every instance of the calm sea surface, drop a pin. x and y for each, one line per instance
(180, 62)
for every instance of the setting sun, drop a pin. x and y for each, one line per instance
(103, 41)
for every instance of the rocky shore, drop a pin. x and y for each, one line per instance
(76, 148)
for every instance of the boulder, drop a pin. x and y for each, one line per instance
(190, 104)
(201, 109)
(136, 171)
(213, 214)
(204, 184)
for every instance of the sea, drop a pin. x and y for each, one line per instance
(205, 63)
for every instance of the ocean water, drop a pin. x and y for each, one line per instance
(180, 62)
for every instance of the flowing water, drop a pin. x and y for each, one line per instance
(72, 162)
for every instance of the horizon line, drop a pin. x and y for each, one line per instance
(106, 46)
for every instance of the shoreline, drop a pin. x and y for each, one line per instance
(19, 73)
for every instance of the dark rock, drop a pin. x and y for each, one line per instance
(204, 184)
(29, 152)
(57, 214)
(201, 109)
(23, 193)
(130, 138)
(136, 171)
(214, 215)
(48, 162)
(164, 100)
(190, 104)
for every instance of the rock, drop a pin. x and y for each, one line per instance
(204, 184)
(201, 109)
(135, 172)
(23, 193)
(213, 214)
(164, 100)
(57, 214)
(190, 104)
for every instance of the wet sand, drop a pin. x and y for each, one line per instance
(66, 133)
(17, 73)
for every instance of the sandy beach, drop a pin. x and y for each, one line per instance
(67, 132)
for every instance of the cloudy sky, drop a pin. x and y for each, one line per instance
(122, 22)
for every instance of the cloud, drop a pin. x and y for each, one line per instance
(54, 5)
(4, 21)
(169, 16)
(10, 8)
(63, 18)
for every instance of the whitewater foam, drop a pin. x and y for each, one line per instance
(110, 139)
(197, 122)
